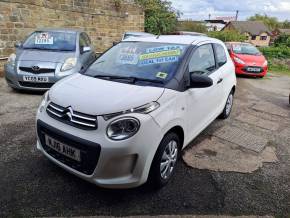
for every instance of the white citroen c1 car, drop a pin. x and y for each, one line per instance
(125, 119)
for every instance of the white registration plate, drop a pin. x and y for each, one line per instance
(64, 149)
(37, 79)
(253, 69)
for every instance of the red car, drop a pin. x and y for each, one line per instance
(247, 59)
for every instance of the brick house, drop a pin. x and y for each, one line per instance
(256, 31)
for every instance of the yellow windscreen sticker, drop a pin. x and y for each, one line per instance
(161, 54)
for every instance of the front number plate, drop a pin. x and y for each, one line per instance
(64, 149)
(36, 79)
(254, 69)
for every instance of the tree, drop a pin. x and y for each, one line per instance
(160, 16)
(285, 24)
(271, 22)
(192, 26)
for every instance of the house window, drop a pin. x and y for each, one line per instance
(253, 37)
(263, 38)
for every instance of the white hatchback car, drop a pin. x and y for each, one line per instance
(125, 119)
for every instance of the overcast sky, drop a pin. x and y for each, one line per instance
(200, 9)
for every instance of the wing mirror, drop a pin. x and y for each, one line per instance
(85, 49)
(17, 44)
(200, 81)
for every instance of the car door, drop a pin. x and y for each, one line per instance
(86, 57)
(224, 70)
(203, 103)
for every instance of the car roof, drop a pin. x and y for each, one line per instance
(245, 43)
(61, 30)
(139, 33)
(175, 39)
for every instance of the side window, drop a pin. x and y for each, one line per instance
(83, 41)
(202, 60)
(228, 47)
(220, 55)
(88, 40)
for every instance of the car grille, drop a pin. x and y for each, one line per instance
(89, 151)
(74, 118)
(36, 85)
(38, 71)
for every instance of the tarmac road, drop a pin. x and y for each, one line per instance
(32, 186)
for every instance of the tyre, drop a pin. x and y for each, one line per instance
(228, 107)
(164, 162)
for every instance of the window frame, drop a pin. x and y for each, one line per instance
(216, 57)
(196, 48)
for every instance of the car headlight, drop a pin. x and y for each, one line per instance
(69, 64)
(44, 100)
(144, 109)
(265, 63)
(11, 59)
(123, 128)
(239, 61)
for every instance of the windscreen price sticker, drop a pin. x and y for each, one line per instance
(43, 39)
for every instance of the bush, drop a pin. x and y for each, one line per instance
(228, 36)
(281, 52)
(282, 40)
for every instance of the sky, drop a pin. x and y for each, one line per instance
(200, 9)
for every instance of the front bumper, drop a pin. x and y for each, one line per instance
(242, 70)
(14, 78)
(116, 164)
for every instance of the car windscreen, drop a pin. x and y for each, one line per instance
(156, 62)
(245, 49)
(49, 40)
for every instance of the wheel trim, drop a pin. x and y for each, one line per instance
(229, 104)
(168, 159)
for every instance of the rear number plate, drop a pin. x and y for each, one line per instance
(64, 149)
(37, 79)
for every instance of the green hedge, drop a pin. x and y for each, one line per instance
(228, 36)
(281, 52)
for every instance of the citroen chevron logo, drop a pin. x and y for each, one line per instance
(69, 113)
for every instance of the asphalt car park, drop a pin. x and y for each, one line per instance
(31, 185)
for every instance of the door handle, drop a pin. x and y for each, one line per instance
(220, 80)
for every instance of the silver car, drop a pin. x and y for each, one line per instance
(126, 35)
(46, 56)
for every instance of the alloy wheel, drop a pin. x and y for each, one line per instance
(168, 159)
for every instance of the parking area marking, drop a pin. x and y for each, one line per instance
(242, 138)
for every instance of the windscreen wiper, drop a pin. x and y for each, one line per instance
(146, 80)
(130, 79)
(113, 77)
